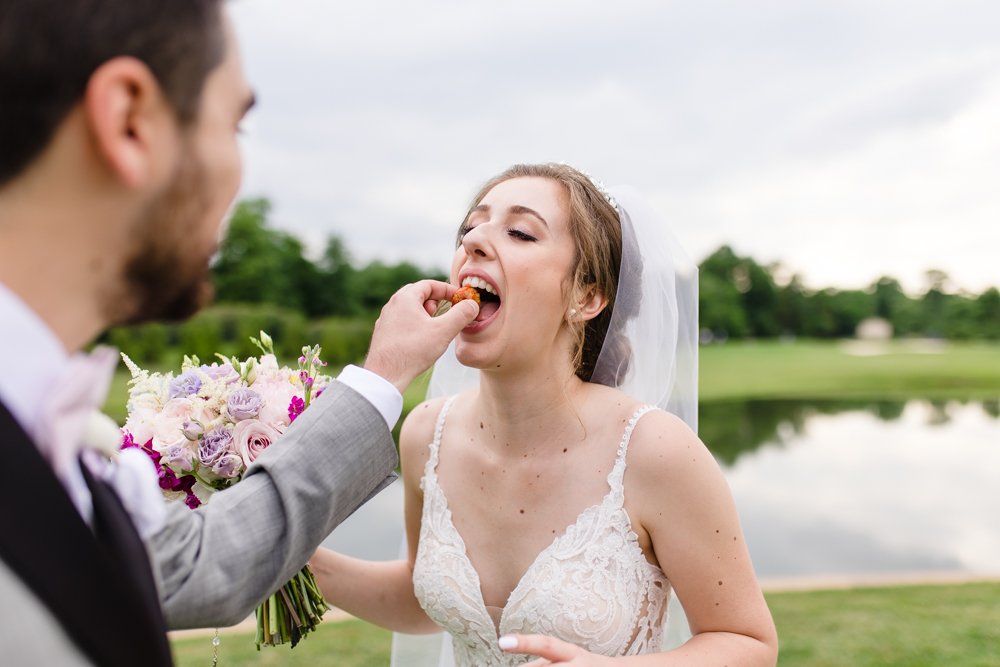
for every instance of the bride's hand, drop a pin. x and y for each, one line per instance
(551, 651)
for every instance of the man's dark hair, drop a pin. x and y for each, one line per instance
(50, 48)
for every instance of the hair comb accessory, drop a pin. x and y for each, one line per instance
(603, 189)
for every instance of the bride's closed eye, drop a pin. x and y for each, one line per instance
(518, 234)
(511, 231)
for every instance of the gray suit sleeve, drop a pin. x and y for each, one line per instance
(215, 564)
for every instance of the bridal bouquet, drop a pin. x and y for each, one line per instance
(204, 427)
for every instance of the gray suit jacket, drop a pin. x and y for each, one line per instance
(213, 565)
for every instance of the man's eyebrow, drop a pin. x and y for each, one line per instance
(250, 102)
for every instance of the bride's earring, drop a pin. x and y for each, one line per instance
(571, 314)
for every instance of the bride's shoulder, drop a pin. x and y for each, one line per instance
(660, 440)
(415, 437)
(418, 427)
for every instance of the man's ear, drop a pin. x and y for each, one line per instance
(132, 125)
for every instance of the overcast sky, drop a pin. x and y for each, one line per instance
(845, 139)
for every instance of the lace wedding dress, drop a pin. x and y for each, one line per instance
(592, 586)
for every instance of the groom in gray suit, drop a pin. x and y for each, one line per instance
(118, 162)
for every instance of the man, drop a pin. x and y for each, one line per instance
(118, 161)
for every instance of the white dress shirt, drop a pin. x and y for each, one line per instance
(32, 357)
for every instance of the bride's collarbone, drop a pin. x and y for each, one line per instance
(510, 509)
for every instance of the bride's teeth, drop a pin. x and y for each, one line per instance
(479, 283)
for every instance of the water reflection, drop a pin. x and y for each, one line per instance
(871, 488)
(829, 487)
(734, 428)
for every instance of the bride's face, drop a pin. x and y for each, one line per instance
(517, 248)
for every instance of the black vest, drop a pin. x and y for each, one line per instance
(97, 583)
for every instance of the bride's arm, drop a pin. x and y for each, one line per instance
(382, 592)
(684, 504)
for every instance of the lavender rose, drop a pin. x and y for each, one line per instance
(215, 443)
(244, 404)
(185, 385)
(224, 372)
(252, 437)
(228, 466)
(179, 457)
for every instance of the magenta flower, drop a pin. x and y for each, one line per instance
(295, 408)
(192, 500)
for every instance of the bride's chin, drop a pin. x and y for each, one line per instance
(469, 356)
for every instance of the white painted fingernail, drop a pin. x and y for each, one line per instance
(507, 642)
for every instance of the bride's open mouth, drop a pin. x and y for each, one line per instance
(489, 302)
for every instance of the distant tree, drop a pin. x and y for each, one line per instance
(257, 264)
(934, 303)
(760, 299)
(792, 307)
(988, 313)
(752, 282)
(340, 289)
(888, 296)
(376, 282)
(720, 307)
(848, 308)
(960, 317)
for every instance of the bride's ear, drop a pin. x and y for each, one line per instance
(589, 305)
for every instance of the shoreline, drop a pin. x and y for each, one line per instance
(824, 582)
(803, 584)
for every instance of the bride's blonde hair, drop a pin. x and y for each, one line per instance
(597, 235)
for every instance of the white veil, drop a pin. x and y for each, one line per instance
(650, 353)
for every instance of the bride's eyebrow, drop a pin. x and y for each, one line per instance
(524, 210)
(516, 209)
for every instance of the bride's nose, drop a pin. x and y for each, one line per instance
(476, 242)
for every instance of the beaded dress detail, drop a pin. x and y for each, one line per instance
(592, 586)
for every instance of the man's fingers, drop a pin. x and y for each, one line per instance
(540, 646)
(431, 307)
(460, 315)
(432, 290)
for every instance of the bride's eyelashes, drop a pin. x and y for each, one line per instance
(511, 231)
(518, 234)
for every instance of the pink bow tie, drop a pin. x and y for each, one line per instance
(81, 388)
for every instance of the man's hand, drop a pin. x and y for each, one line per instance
(407, 340)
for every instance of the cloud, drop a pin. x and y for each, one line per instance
(847, 140)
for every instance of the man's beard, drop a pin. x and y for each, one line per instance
(165, 278)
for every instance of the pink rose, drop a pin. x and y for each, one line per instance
(253, 436)
(178, 408)
(277, 394)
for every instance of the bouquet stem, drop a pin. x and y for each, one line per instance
(292, 612)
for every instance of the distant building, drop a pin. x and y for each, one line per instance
(874, 328)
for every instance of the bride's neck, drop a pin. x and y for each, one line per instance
(531, 406)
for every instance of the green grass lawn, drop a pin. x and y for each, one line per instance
(907, 626)
(813, 369)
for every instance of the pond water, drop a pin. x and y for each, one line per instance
(828, 488)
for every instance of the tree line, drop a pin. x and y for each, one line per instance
(739, 297)
(259, 264)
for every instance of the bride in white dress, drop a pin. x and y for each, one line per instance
(552, 507)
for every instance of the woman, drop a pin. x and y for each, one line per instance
(548, 513)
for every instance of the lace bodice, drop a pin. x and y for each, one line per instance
(592, 586)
